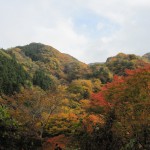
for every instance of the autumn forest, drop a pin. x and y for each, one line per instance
(49, 99)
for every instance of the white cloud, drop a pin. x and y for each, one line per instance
(63, 37)
(121, 25)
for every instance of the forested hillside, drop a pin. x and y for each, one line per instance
(12, 74)
(37, 56)
(49, 98)
(147, 56)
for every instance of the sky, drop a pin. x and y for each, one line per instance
(89, 30)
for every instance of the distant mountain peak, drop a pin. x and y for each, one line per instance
(147, 56)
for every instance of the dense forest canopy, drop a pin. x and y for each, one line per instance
(12, 74)
(50, 98)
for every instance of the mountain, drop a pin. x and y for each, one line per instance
(47, 67)
(65, 68)
(117, 64)
(46, 95)
(37, 56)
(147, 56)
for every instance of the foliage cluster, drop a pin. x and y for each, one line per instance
(47, 95)
(12, 74)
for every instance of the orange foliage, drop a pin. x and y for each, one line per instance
(98, 99)
(61, 140)
(91, 122)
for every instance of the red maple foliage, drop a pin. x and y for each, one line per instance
(61, 140)
(112, 92)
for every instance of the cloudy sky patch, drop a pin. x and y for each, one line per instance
(90, 30)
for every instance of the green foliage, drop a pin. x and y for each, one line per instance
(119, 63)
(101, 72)
(12, 75)
(36, 56)
(118, 67)
(75, 70)
(33, 51)
(5, 119)
(8, 129)
(44, 81)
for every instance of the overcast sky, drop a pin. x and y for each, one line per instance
(90, 30)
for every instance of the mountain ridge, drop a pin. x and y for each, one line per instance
(36, 56)
(65, 68)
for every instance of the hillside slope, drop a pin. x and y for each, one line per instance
(146, 56)
(65, 68)
(12, 74)
(117, 65)
(39, 56)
